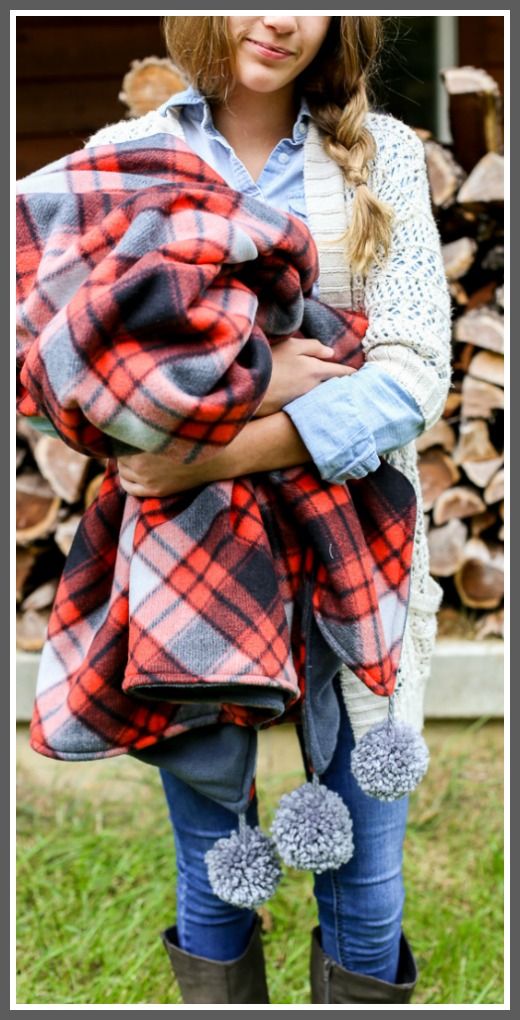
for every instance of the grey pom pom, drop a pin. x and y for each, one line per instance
(312, 828)
(243, 868)
(390, 760)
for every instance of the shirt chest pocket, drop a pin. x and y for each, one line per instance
(297, 206)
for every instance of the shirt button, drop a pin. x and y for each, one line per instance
(283, 157)
(302, 130)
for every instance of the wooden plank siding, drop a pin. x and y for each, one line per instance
(69, 75)
(481, 44)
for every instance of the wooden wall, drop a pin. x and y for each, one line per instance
(69, 74)
(481, 44)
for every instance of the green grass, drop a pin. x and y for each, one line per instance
(96, 885)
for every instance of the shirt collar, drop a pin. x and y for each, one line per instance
(201, 109)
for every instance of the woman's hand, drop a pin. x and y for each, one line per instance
(154, 474)
(298, 366)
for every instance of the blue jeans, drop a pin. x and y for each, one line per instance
(359, 905)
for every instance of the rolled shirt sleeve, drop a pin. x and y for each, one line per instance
(347, 422)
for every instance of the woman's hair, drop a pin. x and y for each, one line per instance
(336, 86)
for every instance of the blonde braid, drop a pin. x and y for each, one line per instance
(351, 145)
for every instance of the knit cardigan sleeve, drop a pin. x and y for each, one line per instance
(407, 301)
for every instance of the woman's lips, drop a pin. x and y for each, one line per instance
(267, 51)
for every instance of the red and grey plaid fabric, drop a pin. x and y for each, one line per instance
(149, 297)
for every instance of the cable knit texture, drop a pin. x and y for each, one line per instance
(408, 307)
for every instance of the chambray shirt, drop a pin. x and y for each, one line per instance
(347, 421)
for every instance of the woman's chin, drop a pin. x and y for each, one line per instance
(258, 77)
(262, 82)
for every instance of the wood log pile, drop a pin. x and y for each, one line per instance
(54, 485)
(461, 458)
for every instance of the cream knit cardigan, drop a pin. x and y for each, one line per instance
(408, 307)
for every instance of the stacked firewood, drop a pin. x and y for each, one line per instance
(461, 458)
(54, 485)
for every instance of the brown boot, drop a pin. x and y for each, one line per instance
(333, 983)
(201, 979)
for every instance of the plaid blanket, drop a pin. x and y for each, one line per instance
(150, 295)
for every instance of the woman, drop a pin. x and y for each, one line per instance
(278, 106)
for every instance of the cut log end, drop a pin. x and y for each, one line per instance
(480, 579)
(437, 472)
(149, 83)
(459, 501)
(31, 628)
(36, 509)
(446, 547)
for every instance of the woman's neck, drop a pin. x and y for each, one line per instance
(256, 118)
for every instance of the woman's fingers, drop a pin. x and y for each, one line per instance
(329, 371)
(139, 467)
(321, 352)
(315, 348)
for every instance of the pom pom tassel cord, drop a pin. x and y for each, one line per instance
(391, 759)
(312, 828)
(243, 868)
